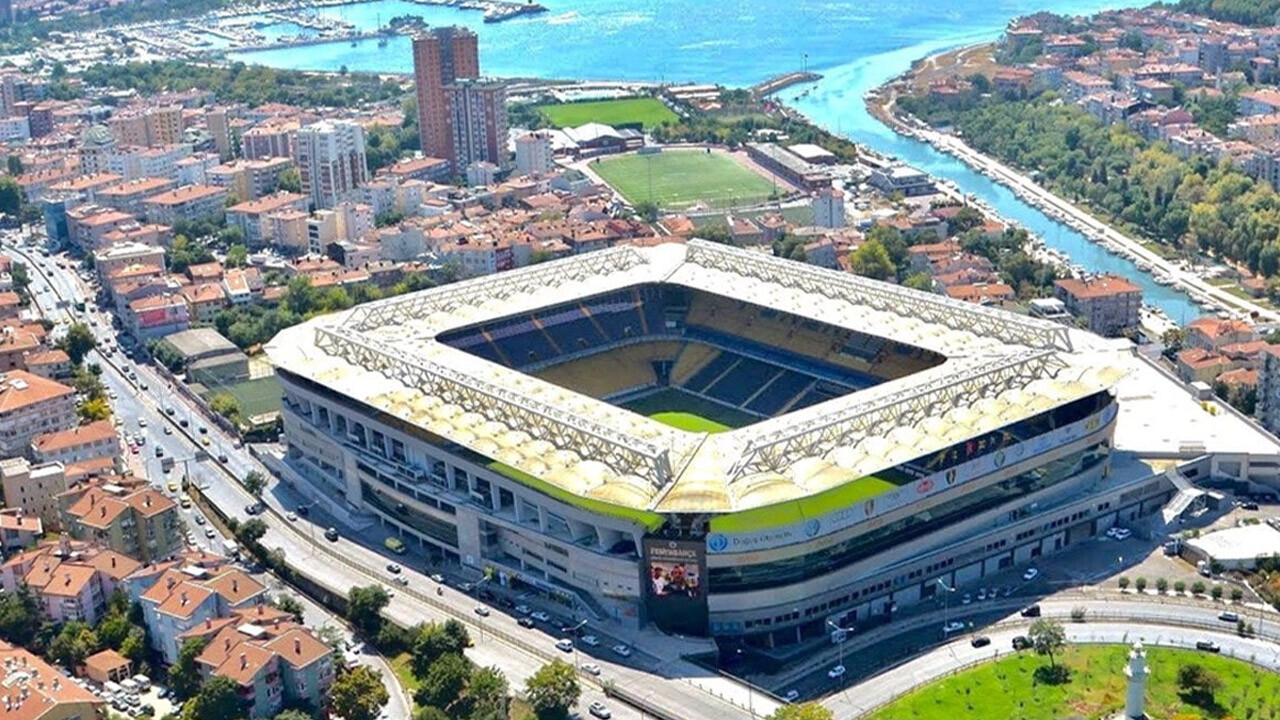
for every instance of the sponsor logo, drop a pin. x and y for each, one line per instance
(717, 542)
(999, 458)
(812, 527)
(951, 476)
(868, 507)
(924, 486)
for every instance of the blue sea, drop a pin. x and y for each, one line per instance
(855, 45)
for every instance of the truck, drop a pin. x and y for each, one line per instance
(395, 545)
(230, 549)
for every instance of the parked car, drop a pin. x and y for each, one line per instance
(526, 622)
(791, 696)
(564, 645)
(952, 626)
(540, 616)
(835, 672)
(1207, 646)
(599, 710)
(482, 611)
(591, 669)
(1030, 611)
(980, 641)
(622, 650)
(1030, 574)
(331, 534)
(1021, 642)
(590, 641)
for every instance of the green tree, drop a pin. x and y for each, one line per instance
(1198, 684)
(553, 690)
(226, 405)
(113, 630)
(364, 608)
(184, 675)
(872, 260)
(648, 211)
(255, 482)
(289, 181)
(1048, 638)
(218, 699)
(359, 694)
(10, 196)
(802, 711)
(134, 646)
(15, 165)
(19, 616)
(487, 693)
(237, 255)
(432, 642)
(291, 605)
(444, 682)
(919, 281)
(1141, 585)
(251, 531)
(94, 409)
(1216, 592)
(75, 642)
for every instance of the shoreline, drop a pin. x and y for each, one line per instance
(880, 102)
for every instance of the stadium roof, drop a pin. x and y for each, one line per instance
(1000, 368)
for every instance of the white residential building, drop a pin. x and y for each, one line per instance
(331, 160)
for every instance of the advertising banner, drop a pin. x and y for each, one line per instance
(675, 594)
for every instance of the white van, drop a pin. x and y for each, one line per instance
(143, 682)
(129, 685)
(111, 688)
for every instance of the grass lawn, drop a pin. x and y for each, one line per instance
(1008, 689)
(682, 177)
(400, 664)
(688, 412)
(256, 397)
(647, 111)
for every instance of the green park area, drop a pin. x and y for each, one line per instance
(678, 178)
(1015, 688)
(648, 112)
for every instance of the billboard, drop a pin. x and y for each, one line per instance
(674, 582)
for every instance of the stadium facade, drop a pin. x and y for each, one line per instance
(556, 426)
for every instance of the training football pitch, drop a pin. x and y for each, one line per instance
(649, 112)
(688, 412)
(678, 178)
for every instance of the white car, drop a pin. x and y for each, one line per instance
(1030, 574)
(565, 645)
(540, 616)
(209, 532)
(982, 593)
(791, 696)
(953, 626)
(591, 669)
(599, 710)
(522, 609)
(590, 641)
(966, 599)
(622, 650)
(1111, 532)
(835, 672)
(482, 611)
(1123, 534)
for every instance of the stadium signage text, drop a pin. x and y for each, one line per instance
(719, 543)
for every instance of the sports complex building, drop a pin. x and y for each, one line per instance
(712, 439)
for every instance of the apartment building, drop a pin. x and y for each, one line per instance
(148, 127)
(331, 160)
(127, 197)
(193, 202)
(254, 217)
(139, 522)
(35, 690)
(249, 179)
(270, 139)
(109, 260)
(72, 580)
(29, 406)
(534, 154)
(80, 444)
(34, 488)
(1108, 304)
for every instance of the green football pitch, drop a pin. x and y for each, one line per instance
(678, 178)
(649, 112)
(688, 412)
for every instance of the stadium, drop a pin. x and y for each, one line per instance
(709, 439)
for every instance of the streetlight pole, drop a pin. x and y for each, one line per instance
(842, 637)
(946, 601)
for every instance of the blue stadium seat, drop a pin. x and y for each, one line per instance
(744, 380)
(775, 397)
(710, 372)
